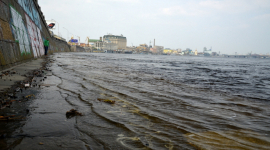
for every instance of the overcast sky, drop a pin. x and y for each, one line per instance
(227, 26)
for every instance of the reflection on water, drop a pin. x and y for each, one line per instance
(168, 102)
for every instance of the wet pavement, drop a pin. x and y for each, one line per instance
(47, 122)
(6, 81)
(43, 122)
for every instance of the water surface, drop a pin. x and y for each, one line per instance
(168, 102)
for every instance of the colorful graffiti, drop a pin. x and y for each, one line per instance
(19, 31)
(35, 36)
(30, 9)
(40, 45)
(21, 35)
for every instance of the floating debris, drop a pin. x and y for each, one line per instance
(106, 101)
(72, 113)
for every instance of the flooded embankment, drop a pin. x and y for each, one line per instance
(151, 102)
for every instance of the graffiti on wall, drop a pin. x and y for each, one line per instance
(40, 43)
(30, 9)
(21, 35)
(19, 31)
(35, 37)
(36, 17)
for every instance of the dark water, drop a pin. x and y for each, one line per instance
(168, 102)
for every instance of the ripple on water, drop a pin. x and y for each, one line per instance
(165, 102)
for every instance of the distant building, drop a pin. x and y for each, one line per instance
(200, 54)
(207, 52)
(143, 45)
(188, 51)
(82, 44)
(142, 48)
(167, 51)
(114, 42)
(153, 50)
(196, 52)
(130, 48)
(159, 49)
(99, 44)
(214, 54)
(179, 50)
(95, 43)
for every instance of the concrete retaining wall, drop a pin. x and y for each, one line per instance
(76, 48)
(22, 31)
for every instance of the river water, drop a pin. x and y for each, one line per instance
(168, 102)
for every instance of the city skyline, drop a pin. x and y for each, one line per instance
(227, 26)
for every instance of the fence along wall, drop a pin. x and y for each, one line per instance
(22, 32)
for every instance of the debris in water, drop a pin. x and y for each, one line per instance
(72, 113)
(40, 143)
(106, 101)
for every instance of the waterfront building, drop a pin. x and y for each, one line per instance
(200, 54)
(95, 43)
(159, 49)
(214, 54)
(99, 44)
(207, 52)
(114, 42)
(82, 44)
(196, 52)
(188, 51)
(179, 50)
(143, 48)
(167, 51)
(153, 50)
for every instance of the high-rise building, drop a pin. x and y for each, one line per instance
(114, 42)
(207, 52)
